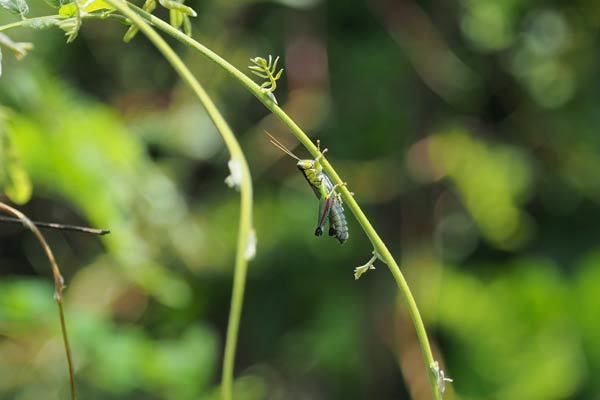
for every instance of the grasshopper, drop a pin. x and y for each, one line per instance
(330, 202)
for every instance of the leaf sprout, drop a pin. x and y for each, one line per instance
(267, 70)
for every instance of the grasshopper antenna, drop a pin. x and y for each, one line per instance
(51, 225)
(281, 147)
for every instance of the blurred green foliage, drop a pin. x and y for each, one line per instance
(467, 129)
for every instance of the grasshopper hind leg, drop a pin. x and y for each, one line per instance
(325, 202)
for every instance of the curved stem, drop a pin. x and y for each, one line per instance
(59, 286)
(237, 156)
(245, 221)
(378, 244)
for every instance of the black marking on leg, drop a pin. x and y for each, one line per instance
(332, 231)
(318, 231)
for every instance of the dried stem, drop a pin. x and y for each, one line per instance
(57, 226)
(59, 286)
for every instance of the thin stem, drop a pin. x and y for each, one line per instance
(52, 225)
(39, 21)
(237, 156)
(378, 244)
(59, 286)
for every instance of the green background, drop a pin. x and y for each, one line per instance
(468, 130)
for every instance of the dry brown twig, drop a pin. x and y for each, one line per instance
(59, 286)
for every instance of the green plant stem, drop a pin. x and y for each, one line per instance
(59, 286)
(245, 188)
(22, 22)
(378, 244)
(30, 22)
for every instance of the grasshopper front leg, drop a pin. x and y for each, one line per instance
(321, 153)
(332, 191)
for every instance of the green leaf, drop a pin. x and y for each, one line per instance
(18, 186)
(266, 70)
(149, 6)
(130, 34)
(176, 18)
(70, 10)
(19, 7)
(177, 6)
(187, 25)
(14, 180)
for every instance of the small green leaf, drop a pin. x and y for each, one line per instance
(70, 10)
(260, 74)
(19, 7)
(274, 67)
(18, 186)
(130, 34)
(149, 6)
(187, 25)
(176, 18)
(177, 6)
(14, 180)
(268, 71)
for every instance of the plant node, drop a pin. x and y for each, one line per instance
(359, 271)
(439, 377)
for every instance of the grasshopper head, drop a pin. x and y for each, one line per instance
(304, 165)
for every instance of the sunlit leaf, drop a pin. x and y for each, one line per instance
(14, 179)
(149, 6)
(187, 25)
(81, 151)
(70, 10)
(18, 188)
(178, 6)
